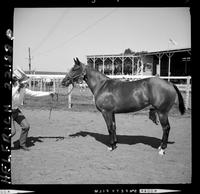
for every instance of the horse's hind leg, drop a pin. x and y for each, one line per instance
(114, 128)
(166, 128)
(153, 115)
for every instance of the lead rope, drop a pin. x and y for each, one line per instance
(52, 96)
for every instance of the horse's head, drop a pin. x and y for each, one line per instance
(76, 74)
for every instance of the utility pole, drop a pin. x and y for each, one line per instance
(29, 59)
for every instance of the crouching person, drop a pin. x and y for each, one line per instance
(19, 90)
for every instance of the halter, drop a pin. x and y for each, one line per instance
(81, 75)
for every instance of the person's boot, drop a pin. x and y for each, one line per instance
(22, 140)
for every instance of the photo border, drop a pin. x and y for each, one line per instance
(7, 15)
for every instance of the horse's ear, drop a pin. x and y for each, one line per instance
(75, 61)
(78, 62)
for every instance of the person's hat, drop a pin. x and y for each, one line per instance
(20, 75)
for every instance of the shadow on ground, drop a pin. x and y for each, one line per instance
(122, 139)
(32, 140)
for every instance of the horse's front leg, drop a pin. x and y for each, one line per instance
(108, 116)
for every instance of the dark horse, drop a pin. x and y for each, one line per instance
(115, 96)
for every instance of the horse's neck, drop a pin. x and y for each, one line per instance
(94, 79)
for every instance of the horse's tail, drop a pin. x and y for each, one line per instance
(181, 101)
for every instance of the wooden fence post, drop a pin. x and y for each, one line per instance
(69, 97)
(54, 85)
(187, 98)
(41, 84)
(33, 83)
(93, 98)
(30, 84)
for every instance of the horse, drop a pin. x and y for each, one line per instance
(114, 96)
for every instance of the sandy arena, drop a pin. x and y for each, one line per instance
(71, 148)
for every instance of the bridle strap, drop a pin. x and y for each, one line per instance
(82, 74)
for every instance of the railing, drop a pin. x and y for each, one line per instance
(52, 82)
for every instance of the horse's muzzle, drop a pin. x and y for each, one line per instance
(62, 83)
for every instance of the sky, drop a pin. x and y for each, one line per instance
(57, 35)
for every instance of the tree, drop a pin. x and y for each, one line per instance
(128, 51)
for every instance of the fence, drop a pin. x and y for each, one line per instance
(52, 83)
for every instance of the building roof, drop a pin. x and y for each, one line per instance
(142, 53)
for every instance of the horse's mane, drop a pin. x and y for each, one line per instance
(97, 72)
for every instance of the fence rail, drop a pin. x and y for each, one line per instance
(52, 82)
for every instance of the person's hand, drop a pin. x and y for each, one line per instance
(52, 94)
(16, 83)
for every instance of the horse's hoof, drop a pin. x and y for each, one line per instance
(109, 148)
(161, 152)
(112, 148)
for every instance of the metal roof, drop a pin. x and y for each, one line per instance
(142, 53)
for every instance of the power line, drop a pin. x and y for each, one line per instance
(79, 33)
(29, 59)
(51, 30)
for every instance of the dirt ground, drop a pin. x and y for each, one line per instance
(71, 148)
